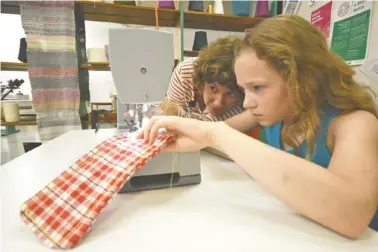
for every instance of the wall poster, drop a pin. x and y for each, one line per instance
(321, 18)
(350, 32)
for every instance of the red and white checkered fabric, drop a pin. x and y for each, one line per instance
(63, 212)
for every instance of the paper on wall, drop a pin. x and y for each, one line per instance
(370, 67)
(321, 18)
(311, 2)
(351, 28)
(291, 6)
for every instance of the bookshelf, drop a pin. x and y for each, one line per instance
(127, 14)
(145, 16)
(13, 66)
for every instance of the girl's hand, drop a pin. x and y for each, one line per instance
(190, 134)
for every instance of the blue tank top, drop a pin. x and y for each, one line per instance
(321, 154)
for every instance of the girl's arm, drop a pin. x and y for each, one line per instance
(343, 197)
(243, 122)
(217, 153)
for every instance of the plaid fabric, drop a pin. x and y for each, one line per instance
(63, 212)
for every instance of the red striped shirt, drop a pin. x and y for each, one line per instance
(181, 92)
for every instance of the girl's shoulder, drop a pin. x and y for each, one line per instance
(186, 66)
(360, 123)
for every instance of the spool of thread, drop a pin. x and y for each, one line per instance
(262, 8)
(11, 112)
(200, 40)
(196, 5)
(23, 51)
(240, 7)
(218, 7)
(210, 9)
(166, 4)
(97, 55)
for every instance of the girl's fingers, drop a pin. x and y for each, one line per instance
(140, 135)
(147, 129)
(154, 130)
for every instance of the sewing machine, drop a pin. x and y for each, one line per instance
(141, 63)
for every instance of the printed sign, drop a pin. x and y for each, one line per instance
(350, 33)
(321, 18)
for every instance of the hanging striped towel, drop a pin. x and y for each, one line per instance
(63, 212)
(52, 64)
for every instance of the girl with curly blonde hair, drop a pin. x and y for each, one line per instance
(321, 156)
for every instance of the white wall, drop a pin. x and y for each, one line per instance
(305, 11)
(101, 83)
(11, 31)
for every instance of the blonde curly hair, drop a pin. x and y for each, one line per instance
(314, 75)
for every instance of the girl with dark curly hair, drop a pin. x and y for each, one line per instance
(205, 87)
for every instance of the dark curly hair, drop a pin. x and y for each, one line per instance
(215, 64)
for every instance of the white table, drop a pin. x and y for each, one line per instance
(228, 211)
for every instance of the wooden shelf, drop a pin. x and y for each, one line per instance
(127, 14)
(114, 12)
(19, 123)
(13, 66)
(206, 21)
(10, 7)
(96, 67)
(108, 68)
